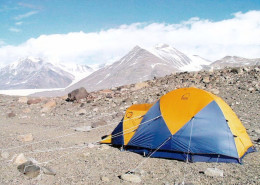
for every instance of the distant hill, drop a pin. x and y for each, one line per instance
(234, 61)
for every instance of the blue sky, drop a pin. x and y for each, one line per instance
(27, 26)
(23, 19)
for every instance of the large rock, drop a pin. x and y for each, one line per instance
(131, 178)
(78, 94)
(34, 101)
(29, 169)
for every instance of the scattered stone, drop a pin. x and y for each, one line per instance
(34, 101)
(26, 137)
(4, 155)
(78, 94)
(215, 91)
(91, 145)
(29, 169)
(105, 179)
(99, 123)
(140, 172)
(251, 89)
(50, 104)
(22, 100)
(83, 129)
(11, 115)
(214, 172)
(85, 155)
(82, 112)
(48, 171)
(20, 159)
(95, 109)
(206, 79)
(257, 131)
(131, 178)
(140, 85)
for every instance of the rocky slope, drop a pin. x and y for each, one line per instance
(49, 126)
(234, 61)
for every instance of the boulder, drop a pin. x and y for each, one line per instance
(131, 178)
(77, 94)
(34, 101)
(29, 169)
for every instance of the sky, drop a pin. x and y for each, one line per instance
(100, 31)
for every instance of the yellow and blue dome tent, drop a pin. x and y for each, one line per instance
(185, 124)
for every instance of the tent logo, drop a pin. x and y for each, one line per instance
(129, 114)
(185, 96)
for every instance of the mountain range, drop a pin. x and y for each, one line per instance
(34, 73)
(137, 65)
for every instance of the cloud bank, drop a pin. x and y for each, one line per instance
(212, 40)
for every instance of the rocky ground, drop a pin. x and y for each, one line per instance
(43, 130)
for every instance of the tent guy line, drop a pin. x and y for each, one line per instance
(6, 149)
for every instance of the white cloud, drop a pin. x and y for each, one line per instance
(28, 14)
(212, 40)
(19, 23)
(14, 30)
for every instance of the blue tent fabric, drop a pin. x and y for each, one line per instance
(153, 133)
(201, 128)
(118, 137)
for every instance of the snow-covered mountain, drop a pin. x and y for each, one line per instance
(178, 59)
(78, 71)
(234, 61)
(140, 65)
(136, 66)
(34, 73)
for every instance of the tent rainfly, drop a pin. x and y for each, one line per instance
(185, 124)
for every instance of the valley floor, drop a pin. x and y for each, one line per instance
(66, 151)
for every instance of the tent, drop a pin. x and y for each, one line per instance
(185, 124)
